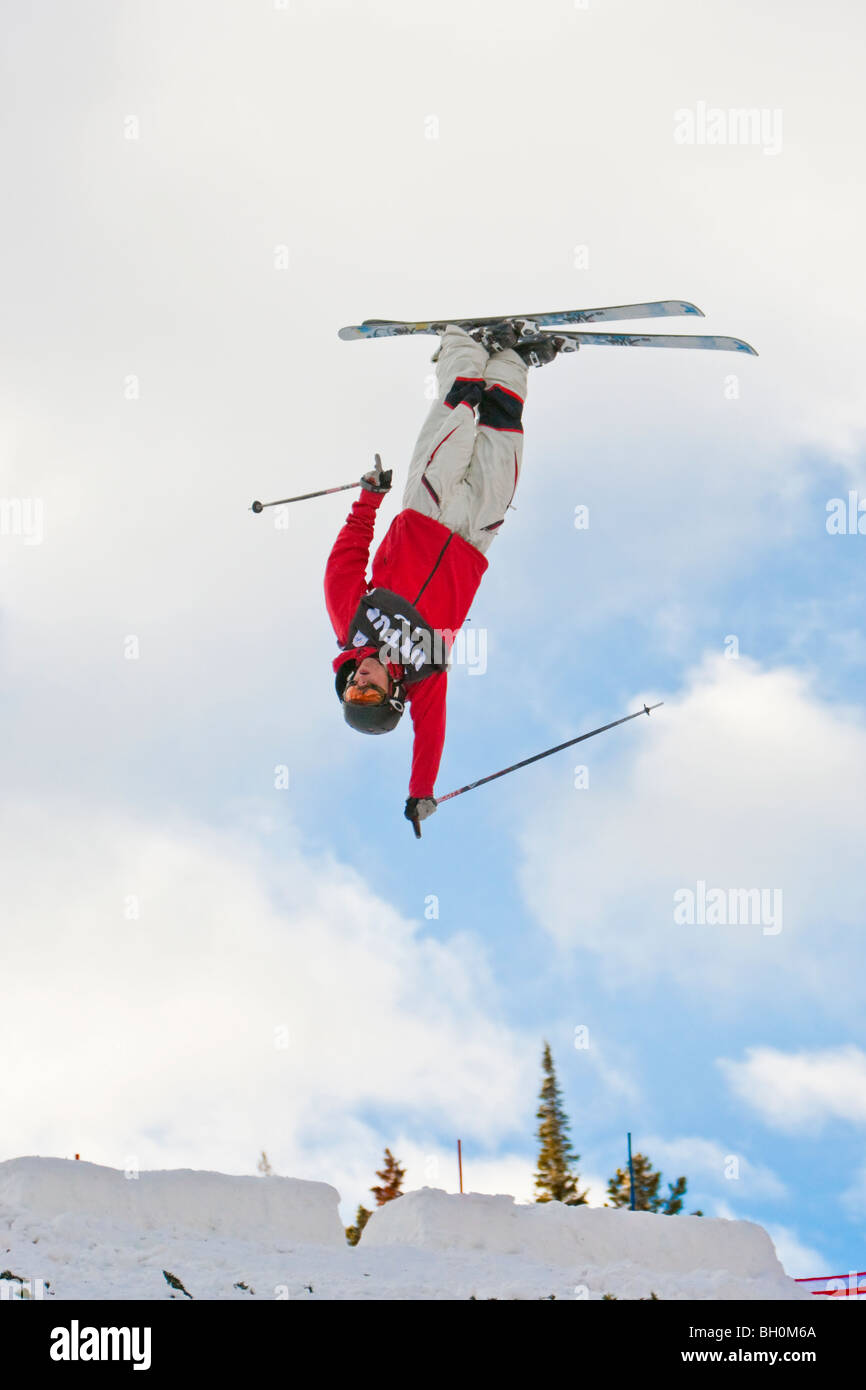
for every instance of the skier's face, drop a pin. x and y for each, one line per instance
(371, 672)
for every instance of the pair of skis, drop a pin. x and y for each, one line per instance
(559, 319)
(533, 330)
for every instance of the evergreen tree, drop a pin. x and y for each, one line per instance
(673, 1203)
(555, 1181)
(353, 1233)
(646, 1189)
(392, 1176)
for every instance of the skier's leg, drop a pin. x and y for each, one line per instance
(491, 479)
(445, 445)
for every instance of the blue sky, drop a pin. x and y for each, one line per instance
(172, 917)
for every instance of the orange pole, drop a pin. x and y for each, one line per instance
(460, 1163)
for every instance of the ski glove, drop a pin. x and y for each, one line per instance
(378, 479)
(418, 808)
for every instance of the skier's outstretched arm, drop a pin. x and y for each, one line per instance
(346, 570)
(427, 707)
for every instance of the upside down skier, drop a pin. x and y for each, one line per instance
(396, 629)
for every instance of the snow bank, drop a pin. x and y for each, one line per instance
(244, 1208)
(78, 1230)
(596, 1244)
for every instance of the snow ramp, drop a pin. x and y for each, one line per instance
(634, 1253)
(70, 1229)
(175, 1200)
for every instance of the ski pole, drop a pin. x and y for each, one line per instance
(546, 754)
(323, 492)
(260, 506)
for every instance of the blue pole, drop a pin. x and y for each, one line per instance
(631, 1172)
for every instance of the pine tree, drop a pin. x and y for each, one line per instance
(646, 1189)
(673, 1203)
(353, 1233)
(392, 1176)
(555, 1180)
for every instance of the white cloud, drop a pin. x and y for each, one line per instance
(798, 1260)
(434, 1165)
(160, 1036)
(719, 787)
(504, 1173)
(801, 1090)
(244, 387)
(165, 269)
(709, 1164)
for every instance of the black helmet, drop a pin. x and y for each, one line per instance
(370, 719)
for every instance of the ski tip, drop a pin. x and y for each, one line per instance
(687, 308)
(347, 334)
(738, 345)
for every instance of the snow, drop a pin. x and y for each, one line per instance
(242, 1208)
(87, 1231)
(599, 1246)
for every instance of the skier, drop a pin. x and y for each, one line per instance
(396, 630)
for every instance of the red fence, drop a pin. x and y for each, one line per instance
(838, 1285)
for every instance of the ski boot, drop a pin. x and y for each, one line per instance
(498, 337)
(537, 351)
(495, 335)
